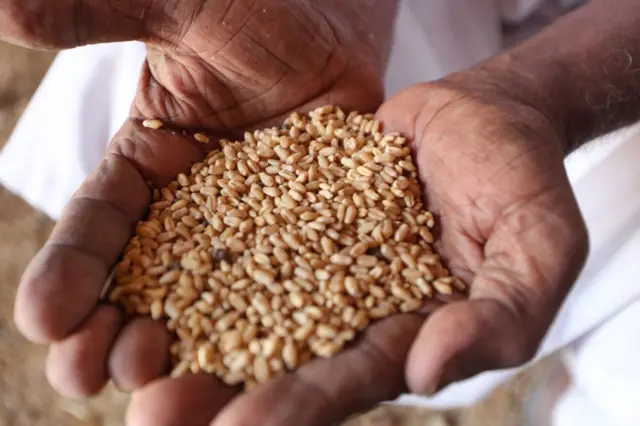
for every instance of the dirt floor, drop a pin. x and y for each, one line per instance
(25, 397)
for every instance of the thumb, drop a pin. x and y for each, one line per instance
(61, 24)
(481, 335)
(513, 300)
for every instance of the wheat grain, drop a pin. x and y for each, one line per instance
(283, 246)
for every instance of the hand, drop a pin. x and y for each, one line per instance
(57, 301)
(493, 171)
(214, 66)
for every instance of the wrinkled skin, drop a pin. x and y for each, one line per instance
(491, 166)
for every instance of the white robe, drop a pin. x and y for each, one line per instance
(86, 95)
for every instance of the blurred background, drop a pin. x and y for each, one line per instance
(25, 396)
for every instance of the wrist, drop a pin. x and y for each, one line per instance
(520, 98)
(540, 86)
(580, 73)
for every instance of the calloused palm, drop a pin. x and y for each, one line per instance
(510, 224)
(492, 167)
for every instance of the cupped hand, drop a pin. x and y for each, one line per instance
(218, 67)
(492, 168)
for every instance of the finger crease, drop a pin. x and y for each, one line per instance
(107, 263)
(119, 211)
(376, 351)
(327, 400)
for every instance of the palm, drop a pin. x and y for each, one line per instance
(493, 172)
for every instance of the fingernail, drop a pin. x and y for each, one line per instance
(433, 388)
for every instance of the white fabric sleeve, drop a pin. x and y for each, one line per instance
(605, 374)
(64, 131)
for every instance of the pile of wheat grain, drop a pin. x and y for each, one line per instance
(283, 246)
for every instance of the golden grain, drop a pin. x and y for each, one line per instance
(152, 124)
(283, 246)
(201, 137)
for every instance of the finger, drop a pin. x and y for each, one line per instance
(188, 400)
(328, 391)
(532, 259)
(64, 281)
(76, 367)
(70, 23)
(140, 354)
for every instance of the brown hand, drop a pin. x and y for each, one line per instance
(214, 66)
(510, 225)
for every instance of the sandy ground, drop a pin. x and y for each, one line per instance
(25, 397)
